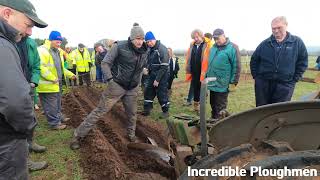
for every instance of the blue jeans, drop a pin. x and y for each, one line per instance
(99, 74)
(51, 103)
(191, 93)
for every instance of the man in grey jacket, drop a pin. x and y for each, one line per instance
(17, 17)
(122, 67)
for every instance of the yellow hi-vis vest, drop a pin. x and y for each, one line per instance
(48, 71)
(69, 59)
(82, 62)
(93, 57)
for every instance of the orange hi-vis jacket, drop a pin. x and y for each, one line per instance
(204, 59)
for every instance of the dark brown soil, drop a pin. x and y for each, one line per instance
(104, 152)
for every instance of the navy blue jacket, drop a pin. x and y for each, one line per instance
(158, 61)
(288, 65)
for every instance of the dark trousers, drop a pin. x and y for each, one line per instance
(150, 92)
(218, 102)
(74, 71)
(13, 159)
(110, 96)
(196, 88)
(99, 74)
(271, 91)
(84, 76)
(170, 80)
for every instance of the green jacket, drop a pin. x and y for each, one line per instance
(224, 64)
(34, 61)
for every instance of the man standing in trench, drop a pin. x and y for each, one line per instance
(122, 67)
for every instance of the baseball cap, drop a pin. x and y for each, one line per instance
(25, 7)
(218, 32)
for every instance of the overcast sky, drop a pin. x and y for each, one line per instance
(245, 22)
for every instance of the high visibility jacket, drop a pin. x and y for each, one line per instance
(204, 59)
(48, 71)
(69, 60)
(82, 62)
(93, 57)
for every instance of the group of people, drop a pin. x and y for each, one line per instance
(276, 65)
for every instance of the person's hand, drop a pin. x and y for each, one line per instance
(73, 77)
(74, 66)
(56, 81)
(32, 85)
(155, 83)
(232, 87)
(145, 71)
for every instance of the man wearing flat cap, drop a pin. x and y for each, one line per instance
(224, 64)
(17, 18)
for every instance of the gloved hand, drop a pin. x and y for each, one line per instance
(232, 87)
(74, 66)
(90, 65)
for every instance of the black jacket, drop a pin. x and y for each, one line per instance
(158, 61)
(174, 72)
(16, 109)
(287, 66)
(124, 64)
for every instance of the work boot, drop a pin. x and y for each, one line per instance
(164, 115)
(132, 138)
(187, 104)
(36, 166)
(37, 148)
(65, 120)
(196, 106)
(75, 143)
(58, 127)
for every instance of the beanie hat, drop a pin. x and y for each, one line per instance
(55, 36)
(136, 32)
(149, 36)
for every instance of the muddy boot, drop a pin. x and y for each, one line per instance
(36, 166)
(75, 143)
(196, 107)
(37, 148)
(132, 138)
(187, 104)
(65, 119)
(58, 127)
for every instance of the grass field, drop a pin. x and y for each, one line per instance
(64, 163)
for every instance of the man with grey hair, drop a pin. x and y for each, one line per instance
(197, 63)
(122, 67)
(277, 64)
(17, 18)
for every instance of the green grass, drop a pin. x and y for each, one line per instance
(64, 163)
